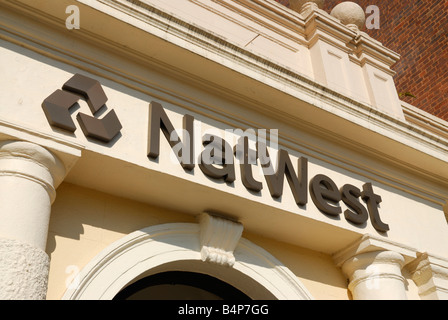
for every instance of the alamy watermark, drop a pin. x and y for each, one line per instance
(72, 281)
(250, 146)
(373, 281)
(74, 19)
(373, 18)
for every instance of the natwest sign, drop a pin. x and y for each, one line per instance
(217, 161)
(217, 157)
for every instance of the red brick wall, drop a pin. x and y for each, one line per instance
(418, 31)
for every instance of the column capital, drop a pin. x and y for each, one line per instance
(376, 275)
(31, 161)
(372, 243)
(364, 260)
(373, 267)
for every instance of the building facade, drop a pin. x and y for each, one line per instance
(234, 148)
(418, 31)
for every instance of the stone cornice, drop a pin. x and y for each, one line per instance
(426, 121)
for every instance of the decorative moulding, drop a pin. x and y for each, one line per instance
(141, 252)
(218, 239)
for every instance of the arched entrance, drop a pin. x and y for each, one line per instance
(176, 248)
(180, 285)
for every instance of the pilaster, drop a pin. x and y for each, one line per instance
(430, 274)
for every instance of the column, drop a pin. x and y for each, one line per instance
(29, 175)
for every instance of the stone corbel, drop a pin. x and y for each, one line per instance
(219, 237)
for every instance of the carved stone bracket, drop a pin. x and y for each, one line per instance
(218, 238)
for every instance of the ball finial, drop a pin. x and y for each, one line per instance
(349, 13)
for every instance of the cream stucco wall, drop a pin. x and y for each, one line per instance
(85, 222)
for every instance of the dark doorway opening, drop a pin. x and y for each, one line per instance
(179, 285)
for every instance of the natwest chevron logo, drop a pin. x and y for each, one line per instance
(58, 106)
